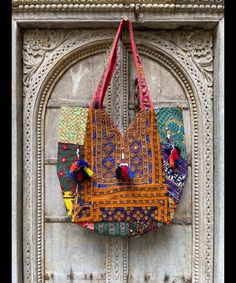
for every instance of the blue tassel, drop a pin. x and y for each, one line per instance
(82, 163)
(131, 174)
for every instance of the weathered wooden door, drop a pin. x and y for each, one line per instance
(62, 67)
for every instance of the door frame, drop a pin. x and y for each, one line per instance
(32, 16)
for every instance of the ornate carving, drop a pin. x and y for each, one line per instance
(118, 5)
(117, 257)
(205, 2)
(198, 46)
(107, 100)
(116, 97)
(34, 56)
(118, 1)
(67, 51)
(125, 87)
(36, 44)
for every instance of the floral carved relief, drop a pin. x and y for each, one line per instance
(36, 45)
(198, 46)
(195, 46)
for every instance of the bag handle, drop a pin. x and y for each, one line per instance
(144, 95)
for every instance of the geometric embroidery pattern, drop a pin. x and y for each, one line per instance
(151, 199)
(175, 178)
(104, 198)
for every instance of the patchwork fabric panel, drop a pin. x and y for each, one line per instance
(175, 178)
(112, 229)
(73, 125)
(171, 119)
(110, 206)
(66, 155)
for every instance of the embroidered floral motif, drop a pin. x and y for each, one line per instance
(66, 156)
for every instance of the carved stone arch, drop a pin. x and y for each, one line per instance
(190, 78)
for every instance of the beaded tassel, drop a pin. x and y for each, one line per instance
(123, 170)
(80, 170)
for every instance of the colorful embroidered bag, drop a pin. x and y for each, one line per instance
(122, 184)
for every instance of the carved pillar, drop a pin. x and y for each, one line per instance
(117, 247)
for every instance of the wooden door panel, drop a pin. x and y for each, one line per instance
(188, 134)
(162, 256)
(54, 204)
(73, 254)
(69, 247)
(79, 82)
(51, 133)
(163, 86)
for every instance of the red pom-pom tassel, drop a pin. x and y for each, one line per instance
(125, 173)
(174, 156)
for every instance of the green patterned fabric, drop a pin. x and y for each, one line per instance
(112, 228)
(65, 157)
(73, 122)
(171, 118)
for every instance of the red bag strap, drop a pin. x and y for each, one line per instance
(144, 95)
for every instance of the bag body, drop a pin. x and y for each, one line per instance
(121, 184)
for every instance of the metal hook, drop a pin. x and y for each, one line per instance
(137, 10)
(125, 18)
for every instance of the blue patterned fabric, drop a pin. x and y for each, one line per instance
(171, 118)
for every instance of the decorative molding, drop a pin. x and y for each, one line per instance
(205, 2)
(125, 88)
(197, 45)
(37, 59)
(185, 69)
(117, 260)
(116, 109)
(107, 99)
(118, 5)
(36, 44)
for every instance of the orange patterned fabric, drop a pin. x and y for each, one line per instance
(103, 197)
